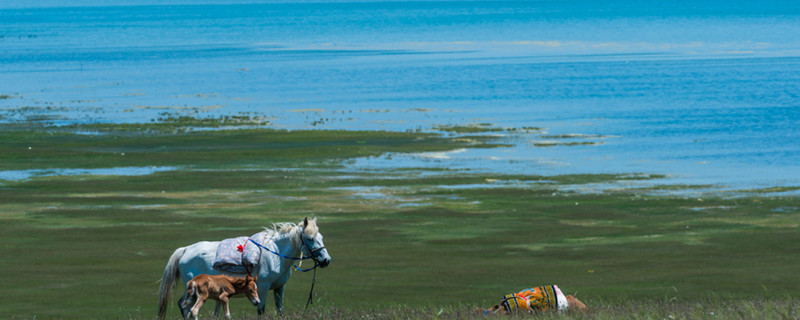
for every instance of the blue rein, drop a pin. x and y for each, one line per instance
(286, 257)
(313, 281)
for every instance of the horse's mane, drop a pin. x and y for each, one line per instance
(292, 229)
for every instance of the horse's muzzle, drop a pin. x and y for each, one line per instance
(324, 262)
(255, 301)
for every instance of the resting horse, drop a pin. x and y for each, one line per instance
(536, 299)
(273, 269)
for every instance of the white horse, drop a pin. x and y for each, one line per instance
(285, 242)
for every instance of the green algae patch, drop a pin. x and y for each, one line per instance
(772, 190)
(574, 143)
(96, 146)
(472, 128)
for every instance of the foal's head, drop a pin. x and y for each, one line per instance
(251, 290)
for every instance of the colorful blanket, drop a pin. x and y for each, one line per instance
(535, 299)
(238, 255)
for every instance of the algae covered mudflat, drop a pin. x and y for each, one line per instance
(419, 233)
(188, 144)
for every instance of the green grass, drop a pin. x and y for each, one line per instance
(408, 243)
(706, 308)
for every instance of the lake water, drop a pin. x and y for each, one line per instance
(707, 92)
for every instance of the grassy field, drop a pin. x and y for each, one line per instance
(411, 243)
(706, 308)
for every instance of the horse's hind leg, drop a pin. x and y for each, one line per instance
(187, 300)
(186, 311)
(185, 304)
(181, 308)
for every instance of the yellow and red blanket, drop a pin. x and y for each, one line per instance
(535, 299)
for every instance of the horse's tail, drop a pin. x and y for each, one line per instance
(171, 274)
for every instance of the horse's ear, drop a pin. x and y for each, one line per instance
(305, 222)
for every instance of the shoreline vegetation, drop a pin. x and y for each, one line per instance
(416, 243)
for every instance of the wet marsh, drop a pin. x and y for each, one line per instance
(405, 237)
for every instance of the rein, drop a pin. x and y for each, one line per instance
(291, 258)
(277, 253)
(316, 264)
(313, 281)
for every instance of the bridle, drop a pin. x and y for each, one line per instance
(310, 251)
(303, 242)
(312, 256)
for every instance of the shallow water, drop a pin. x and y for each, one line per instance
(707, 92)
(12, 175)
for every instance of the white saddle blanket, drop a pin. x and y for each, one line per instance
(238, 255)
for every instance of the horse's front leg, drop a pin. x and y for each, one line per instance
(263, 290)
(279, 298)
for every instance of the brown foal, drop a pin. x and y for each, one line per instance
(218, 287)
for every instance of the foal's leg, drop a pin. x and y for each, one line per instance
(227, 308)
(196, 308)
(279, 299)
(223, 300)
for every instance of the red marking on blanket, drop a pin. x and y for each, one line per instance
(240, 248)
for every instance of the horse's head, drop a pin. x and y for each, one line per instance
(251, 290)
(312, 244)
(575, 304)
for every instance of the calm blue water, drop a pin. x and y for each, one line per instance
(704, 91)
